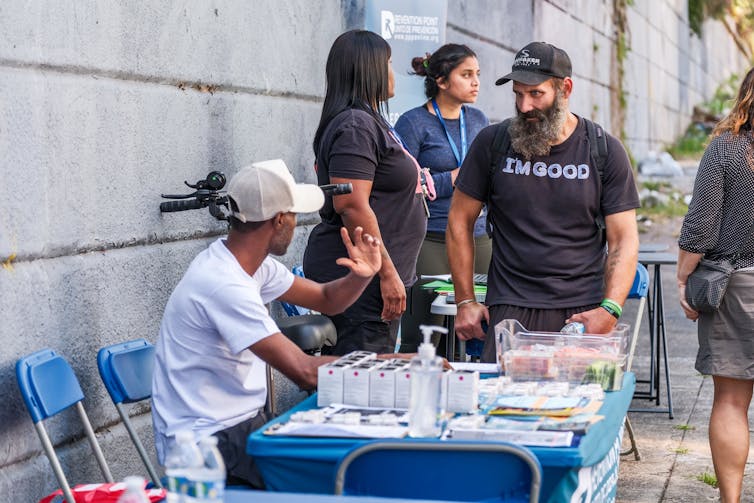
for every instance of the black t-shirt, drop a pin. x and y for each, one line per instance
(547, 249)
(354, 145)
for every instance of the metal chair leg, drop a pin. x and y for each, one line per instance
(634, 448)
(95, 445)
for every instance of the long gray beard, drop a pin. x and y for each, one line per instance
(534, 139)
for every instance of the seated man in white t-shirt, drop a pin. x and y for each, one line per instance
(217, 336)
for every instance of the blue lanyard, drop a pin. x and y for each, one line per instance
(462, 156)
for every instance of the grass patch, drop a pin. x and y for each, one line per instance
(684, 427)
(660, 201)
(708, 478)
(681, 450)
(692, 144)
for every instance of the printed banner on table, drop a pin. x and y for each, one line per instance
(412, 28)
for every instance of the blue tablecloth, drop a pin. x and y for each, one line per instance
(588, 472)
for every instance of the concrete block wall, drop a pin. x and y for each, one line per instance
(669, 70)
(106, 105)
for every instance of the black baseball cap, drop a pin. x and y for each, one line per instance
(537, 62)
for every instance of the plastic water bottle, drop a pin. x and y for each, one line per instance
(134, 492)
(575, 327)
(210, 486)
(183, 465)
(424, 409)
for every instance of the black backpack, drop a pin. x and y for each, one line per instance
(501, 145)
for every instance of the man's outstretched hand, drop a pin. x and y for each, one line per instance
(364, 253)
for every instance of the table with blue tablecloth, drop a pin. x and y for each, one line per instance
(587, 472)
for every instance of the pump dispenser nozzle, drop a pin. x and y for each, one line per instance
(426, 349)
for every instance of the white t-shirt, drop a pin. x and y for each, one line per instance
(205, 378)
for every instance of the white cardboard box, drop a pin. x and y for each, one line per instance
(330, 382)
(402, 387)
(382, 384)
(356, 382)
(462, 391)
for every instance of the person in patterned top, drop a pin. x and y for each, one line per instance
(718, 225)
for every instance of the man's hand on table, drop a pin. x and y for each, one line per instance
(596, 321)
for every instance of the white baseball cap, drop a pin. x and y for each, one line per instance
(267, 188)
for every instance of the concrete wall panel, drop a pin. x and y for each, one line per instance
(217, 42)
(148, 139)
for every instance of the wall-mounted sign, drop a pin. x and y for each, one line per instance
(412, 28)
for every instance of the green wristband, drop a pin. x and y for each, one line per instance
(612, 307)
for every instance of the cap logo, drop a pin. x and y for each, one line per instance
(524, 59)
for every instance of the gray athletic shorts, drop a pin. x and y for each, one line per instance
(726, 336)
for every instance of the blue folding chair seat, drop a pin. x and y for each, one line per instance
(48, 386)
(126, 369)
(440, 470)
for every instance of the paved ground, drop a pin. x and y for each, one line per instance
(674, 452)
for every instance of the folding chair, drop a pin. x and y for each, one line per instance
(440, 470)
(126, 370)
(49, 386)
(639, 290)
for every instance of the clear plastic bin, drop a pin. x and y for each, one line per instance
(553, 356)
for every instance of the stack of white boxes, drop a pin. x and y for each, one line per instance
(330, 377)
(363, 380)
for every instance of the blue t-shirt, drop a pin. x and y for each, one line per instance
(425, 139)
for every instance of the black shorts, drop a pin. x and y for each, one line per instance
(240, 467)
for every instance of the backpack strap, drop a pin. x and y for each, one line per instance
(498, 149)
(598, 149)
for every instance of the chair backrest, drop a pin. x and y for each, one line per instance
(640, 286)
(440, 470)
(126, 369)
(291, 309)
(48, 386)
(47, 383)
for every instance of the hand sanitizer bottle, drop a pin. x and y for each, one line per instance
(424, 409)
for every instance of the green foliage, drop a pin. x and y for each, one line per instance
(691, 145)
(722, 101)
(707, 478)
(681, 450)
(622, 46)
(696, 16)
(693, 142)
(659, 186)
(664, 201)
(684, 427)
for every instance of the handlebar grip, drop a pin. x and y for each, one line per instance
(181, 205)
(337, 189)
